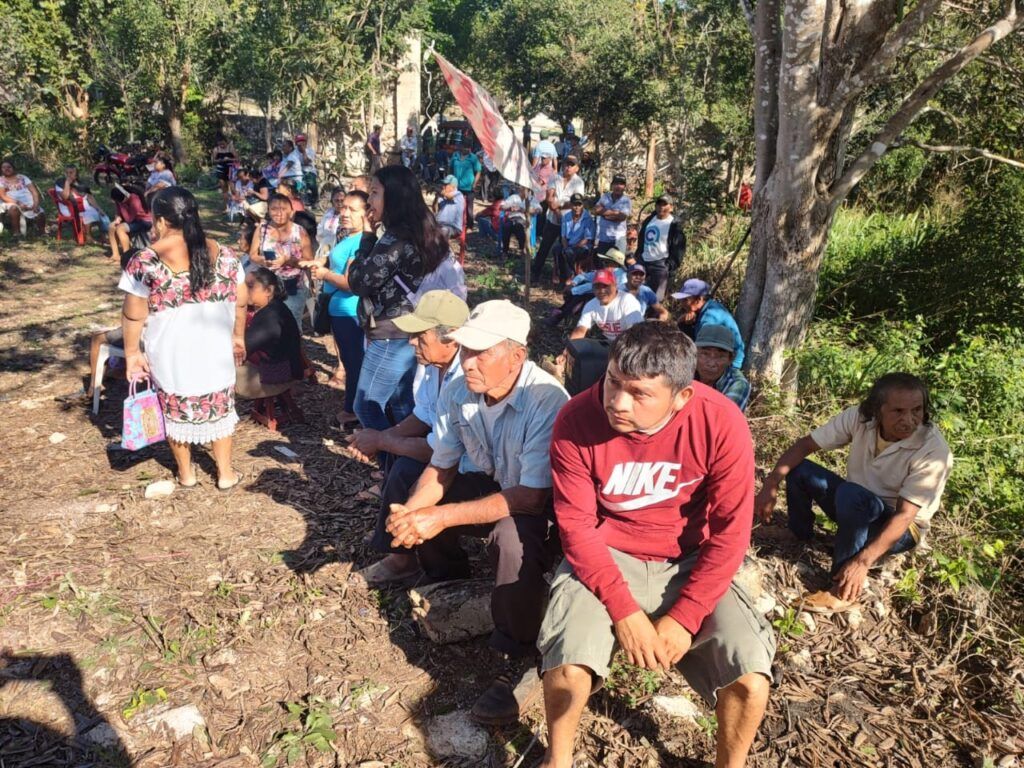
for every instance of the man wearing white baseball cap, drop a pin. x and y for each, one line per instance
(499, 417)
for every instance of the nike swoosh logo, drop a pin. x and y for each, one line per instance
(646, 501)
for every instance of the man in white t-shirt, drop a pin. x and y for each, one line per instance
(612, 213)
(408, 147)
(291, 164)
(611, 310)
(566, 185)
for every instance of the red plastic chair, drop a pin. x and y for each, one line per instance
(77, 228)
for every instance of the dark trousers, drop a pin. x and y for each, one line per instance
(657, 277)
(549, 236)
(400, 475)
(469, 207)
(521, 548)
(516, 228)
(348, 336)
(859, 514)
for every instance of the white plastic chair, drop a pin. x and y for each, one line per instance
(106, 351)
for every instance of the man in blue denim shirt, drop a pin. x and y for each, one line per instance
(500, 416)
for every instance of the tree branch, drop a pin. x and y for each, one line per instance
(877, 66)
(767, 61)
(916, 101)
(961, 149)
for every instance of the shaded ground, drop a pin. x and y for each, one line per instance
(114, 608)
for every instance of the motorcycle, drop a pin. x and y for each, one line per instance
(113, 167)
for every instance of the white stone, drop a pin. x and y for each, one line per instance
(854, 618)
(180, 721)
(224, 657)
(808, 621)
(58, 437)
(161, 489)
(456, 736)
(765, 604)
(801, 660)
(677, 706)
(102, 735)
(105, 509)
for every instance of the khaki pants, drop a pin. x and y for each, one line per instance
(733, 641)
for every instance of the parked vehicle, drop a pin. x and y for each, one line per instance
(111, 167)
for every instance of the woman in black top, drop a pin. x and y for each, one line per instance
(223, 157)
(411, 247)
(272, 343)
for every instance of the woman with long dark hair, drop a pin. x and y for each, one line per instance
(280, 244)
(273, 347)
(385, 279)
(193, 292)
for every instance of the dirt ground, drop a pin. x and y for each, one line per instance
(236, 609)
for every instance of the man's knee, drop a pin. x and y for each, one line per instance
(751, 688)
(854, 504)
(568, 676)
(401, 478)
(519, 533)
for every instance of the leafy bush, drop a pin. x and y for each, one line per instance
(953, 268)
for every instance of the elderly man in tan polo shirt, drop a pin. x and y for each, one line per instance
(895, 475)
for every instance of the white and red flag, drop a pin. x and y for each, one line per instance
(496, 137)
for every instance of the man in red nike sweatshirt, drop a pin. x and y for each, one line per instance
(654, 487)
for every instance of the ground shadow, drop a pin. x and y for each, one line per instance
(24, 742)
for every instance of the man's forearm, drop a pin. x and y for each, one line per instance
(414, 447)
(793, 455)
(489, 509)
(431, 487)
(891, 532)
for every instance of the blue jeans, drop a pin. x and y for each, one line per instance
(348, 336)
(384, 395)
(859, 514)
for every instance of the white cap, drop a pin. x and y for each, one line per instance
(492, 322)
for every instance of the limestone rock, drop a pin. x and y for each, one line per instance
(765, 604)
(456, 736)
(453, 611)
(223, 657)
(161, 489)
(677, 706)
(808, 621)
(179, 722)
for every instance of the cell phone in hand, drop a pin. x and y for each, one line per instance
(270, 254)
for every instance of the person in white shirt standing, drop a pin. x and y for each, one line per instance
(611, 310)
(662, 245)
(291, 164)
(612, 212)
(564, 187)
(518, 207)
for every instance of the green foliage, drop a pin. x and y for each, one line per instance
(310, 724)
(631, 684)
(953, 268)
(143, 698)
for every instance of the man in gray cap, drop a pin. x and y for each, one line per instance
(716, 349)
(411, 441)
(451, 206)
(496, 419)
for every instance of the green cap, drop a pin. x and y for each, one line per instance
(716, 336)
(433, 309)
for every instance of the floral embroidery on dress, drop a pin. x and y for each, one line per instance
(168, 289)
(20, 182)
(197, 409)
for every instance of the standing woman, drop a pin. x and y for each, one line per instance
(411, 247)
(223, 157)
(193, 293)
(280, 244)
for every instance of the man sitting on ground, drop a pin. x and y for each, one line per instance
(716, 349)
(649, 304)
(895, 475)
(498, 417)
(698, 310)
(654, 483)
(611, 311)
(451, 207)
(411, 441)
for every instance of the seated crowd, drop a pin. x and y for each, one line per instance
(637, 493)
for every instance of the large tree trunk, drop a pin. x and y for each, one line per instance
(174, 124)
(813, 61)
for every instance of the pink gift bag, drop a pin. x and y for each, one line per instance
(143, 419)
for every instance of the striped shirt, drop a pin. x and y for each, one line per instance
(734, 385)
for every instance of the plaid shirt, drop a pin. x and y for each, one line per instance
(734, 385)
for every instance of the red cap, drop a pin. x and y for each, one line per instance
(604, 277)
(300, 137)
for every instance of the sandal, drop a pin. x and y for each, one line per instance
(225, 488)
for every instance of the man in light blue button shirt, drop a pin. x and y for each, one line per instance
(499, 415)
(411, 441)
